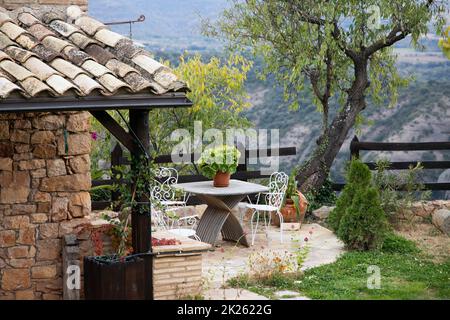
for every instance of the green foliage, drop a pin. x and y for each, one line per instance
(220, 159)
(291, 189)
(325, 196)
(394, 243)
(292, 193)
(219, 96)
(393, 201)
(100, 193)
(358, 180)
(363, 225)
(444, 43)
(359, 219)
(300, 40)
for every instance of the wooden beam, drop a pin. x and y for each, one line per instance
(400, 146)
(115, 129)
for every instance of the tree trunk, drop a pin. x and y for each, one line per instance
(315, 171)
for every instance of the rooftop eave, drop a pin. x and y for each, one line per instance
(93, 103)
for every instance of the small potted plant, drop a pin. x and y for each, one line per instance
(294, 204)
(219, 164)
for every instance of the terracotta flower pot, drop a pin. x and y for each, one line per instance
(222, 179)
(289, 212)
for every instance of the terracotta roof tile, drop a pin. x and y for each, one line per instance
(86, 84)
(6, 87)
(112, 84)
(63, 28)
(43, 53)
(35, 87)
(55, 43)
(42, 70)
(4, 18)
(67, 68)
(119, 68)
(137, 82)
(15, 70)
(4, 56)
(39, 31)
(89, 25)
(52, 15)
(108, 37)
(101, 55)
(76, 56)
(27, 41)
(5, 42)
(60, 85)
(81, 41)
(125, 49)
(94, 68)
(27, 19)
(13, 31)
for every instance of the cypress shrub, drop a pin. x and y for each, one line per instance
(358, 179)
(364, 224)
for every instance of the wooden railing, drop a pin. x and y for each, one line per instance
(357, 146)
(243, 172)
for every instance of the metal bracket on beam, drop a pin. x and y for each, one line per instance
(124, 137)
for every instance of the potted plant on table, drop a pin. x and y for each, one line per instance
(219, 164)
(294, 205)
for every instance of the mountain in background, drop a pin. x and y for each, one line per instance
(422, 113)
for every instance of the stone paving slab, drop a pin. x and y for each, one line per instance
(230, 260)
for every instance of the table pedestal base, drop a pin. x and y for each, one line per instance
(219, 218)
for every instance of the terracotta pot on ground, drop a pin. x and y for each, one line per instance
(289, 213)
(222, 179)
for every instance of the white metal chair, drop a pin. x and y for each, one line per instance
(273, 201)
(165, 205)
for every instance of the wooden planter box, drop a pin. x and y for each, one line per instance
(128, 280)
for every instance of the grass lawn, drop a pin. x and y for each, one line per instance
(406, 273)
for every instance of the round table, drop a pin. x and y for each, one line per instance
(218, 216)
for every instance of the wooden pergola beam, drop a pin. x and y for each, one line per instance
(124, 137)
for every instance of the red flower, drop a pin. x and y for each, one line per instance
(306, 239)
(94, 136)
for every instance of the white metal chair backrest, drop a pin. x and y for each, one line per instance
(162, 189)
(277, 188)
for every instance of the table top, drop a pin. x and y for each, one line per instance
(236, 187)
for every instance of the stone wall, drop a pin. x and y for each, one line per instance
(13, 4)
(44, 190)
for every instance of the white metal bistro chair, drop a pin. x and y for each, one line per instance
(165, 205)
(273, 202)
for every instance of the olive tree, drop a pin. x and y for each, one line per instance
(342, 50)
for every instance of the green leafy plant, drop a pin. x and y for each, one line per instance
(388, 184)
(293, 194)
(220, 159)
(324, 196)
